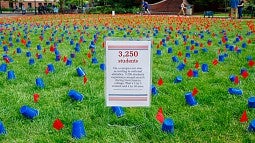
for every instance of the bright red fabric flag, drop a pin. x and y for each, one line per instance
(7, 60)
(245, 74)
(236, 80)
(160, 116)
(197, 65)
(36, 97)
(46, 70)
(64, 59)
(244, 117)
(58, 125)
(195, 91)
(52, 49)
(215, 62)
(160, 81)
(190, 73)
(251, 63)
(89, 55)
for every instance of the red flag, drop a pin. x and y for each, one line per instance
(249, 41)
(223, 40)
(52, 49)
(190, 73)
(89, 55)
(195, 91)
(197, 65)
(41, 38)
(192, 47)
(84, 61)
(179, 53)
(160, 116)
(80, 41)
(57, 124)
(103, 44)
(64, 59)
(7, 60)
(251, 63)
(160, 81)
(36, 55)
(241, 38)
(215, 62)
(185, 60)
(244, 117)
(36, 97)
(236, 80)
(23, 41)
(236, 48)
(85, 79)
(245, 74)
(46, 70)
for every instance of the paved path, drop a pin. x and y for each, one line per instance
(2, 15)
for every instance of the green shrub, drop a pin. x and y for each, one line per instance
(7, 9)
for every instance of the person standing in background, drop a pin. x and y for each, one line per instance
(234, 6)
(145, 6)
(240, 9)
(23, 9)
(182, 9)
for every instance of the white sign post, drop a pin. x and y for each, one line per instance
(128, 73)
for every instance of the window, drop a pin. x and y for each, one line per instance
(29, 5)
(20, 5)
(11, 5)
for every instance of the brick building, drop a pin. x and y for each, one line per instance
(27, 3)
(167, 6)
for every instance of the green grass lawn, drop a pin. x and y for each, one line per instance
(214, 119)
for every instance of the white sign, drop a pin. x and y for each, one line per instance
(128, 73)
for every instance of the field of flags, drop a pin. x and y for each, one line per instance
(52, 79)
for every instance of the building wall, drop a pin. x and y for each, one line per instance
(172, 6)
(27, 3)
